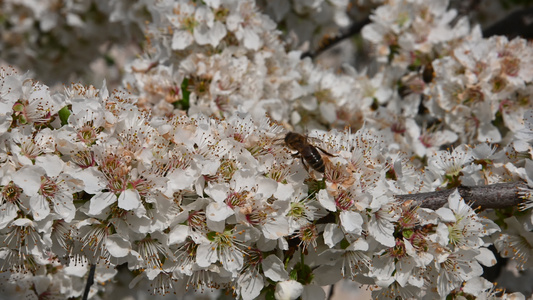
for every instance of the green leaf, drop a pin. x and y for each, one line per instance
(270, 294)
(64, 113)
(407, 233)
(211, 235)
(184, 102)
(305, 274)
(18, 107)
(344, 244)
(293, 274)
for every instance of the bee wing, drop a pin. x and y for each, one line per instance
(279, 142)
(326, 152)
(316, 141)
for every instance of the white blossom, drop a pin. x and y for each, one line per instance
(183, 174)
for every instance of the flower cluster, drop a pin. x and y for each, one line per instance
(470, 83)
(59, 39)
(43, 35)
(315, 21)
(192, 202)
(483, 82)
(218, 57)
(187, 174)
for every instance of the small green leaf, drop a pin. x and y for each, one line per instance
(305, 274)
(344, 244)
(18, 107)
(64, 113)
(269, 295)
(211, 235)
(184, 102)
(109, 60)
(293, 274)
(407, 233)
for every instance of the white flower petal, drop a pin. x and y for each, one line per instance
(266, 187)
(251, 285)
(332, 235)
(284, 191)
(181, 179)
(477, 285)
(40, 207)
(273, 268)
(8, 212)
(93, 180)
(446, 214)
(129, 199)
(64, 206)
(202, 34)
(288, 290)
(117, 246)
(52, 164)
(382, 231)
(277, 228)
(29, 179)
(326, 200)
(181, 39)
(178, 234)
(101, 201)
(251, 39)
(486, 257)
(206, 254)
(232, 260)
(217, 191)
(359, 245)
(218, 32)
(351, 221)
(218, 211)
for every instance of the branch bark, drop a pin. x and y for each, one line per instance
(90, 281)
(353, 30)
(499, 195)
(466, 7)
(518, 23)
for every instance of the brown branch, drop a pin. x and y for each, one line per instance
(90, 281)
(466, 7)
(499, 195)
(518, 23)
(329, 43)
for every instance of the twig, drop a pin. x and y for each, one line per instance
(500, 195)
(518, 23)
(466, 7)
(90, 281)
(331, 291)
(329, 43)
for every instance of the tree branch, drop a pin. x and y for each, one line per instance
(466, 7)
(500, 195)
(330, 292)
(518, 23)
(330, 42)
(90, 281)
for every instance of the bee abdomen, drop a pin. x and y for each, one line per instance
(314, 159)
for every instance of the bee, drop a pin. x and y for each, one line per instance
(307, 152)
